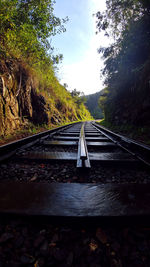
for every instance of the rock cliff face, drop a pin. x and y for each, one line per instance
(9, 107)
(19, 101)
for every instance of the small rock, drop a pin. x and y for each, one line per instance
(60, 255)
(4, 166)
(19, 242)
(113, 253)
(85, 241)
(115, 246)
(43, 231)
(5, 237)
(39, 263)
(52, 244)
(27, 259)
(93, 245)
(70, 259)
(12, 264)
(44, 248)
(34, 177)
(38, 241)
(55, 238)
(24, 231)
(101, 236)
(116, 263)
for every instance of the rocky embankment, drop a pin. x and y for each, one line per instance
(19, 102)
(23, 100)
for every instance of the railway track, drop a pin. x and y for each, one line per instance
(80, 170)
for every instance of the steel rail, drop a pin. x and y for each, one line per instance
(69, 201)
(82, 157)
(125, 141)
(122, 138)
(8, 150)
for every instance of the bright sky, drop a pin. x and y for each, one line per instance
(81, 65)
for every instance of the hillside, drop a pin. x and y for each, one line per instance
(30, 92)
(92, 105)
(24, 100)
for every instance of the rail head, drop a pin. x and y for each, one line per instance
(137, 149)
(122, 137)
(8, 149)
(82, 157)
(83, 151)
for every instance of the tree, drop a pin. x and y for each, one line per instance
(103, 99)
(65, 85)
(27, 25)
(78, 97)
(119, 14)
(75, 93)
(57, 59)
(127, 57)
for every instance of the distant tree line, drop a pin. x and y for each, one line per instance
(93, 105)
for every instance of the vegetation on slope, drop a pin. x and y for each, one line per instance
(126, 99)
(29, 88)
(93, 106)
(141, 134)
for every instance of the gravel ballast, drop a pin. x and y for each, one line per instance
(40, 242)
(66, 172)
(33, 243)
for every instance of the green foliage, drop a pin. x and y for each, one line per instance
(78, 97)
(25, 32)
(75, 93)
(26, 26)
(103, 98)
(119, 14)
(127, 59)
(93, 106)
(141, 134)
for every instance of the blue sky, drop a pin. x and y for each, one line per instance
(81, 65)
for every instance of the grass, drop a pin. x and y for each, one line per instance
(24, 54)
(141, 134)
(28, 131)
